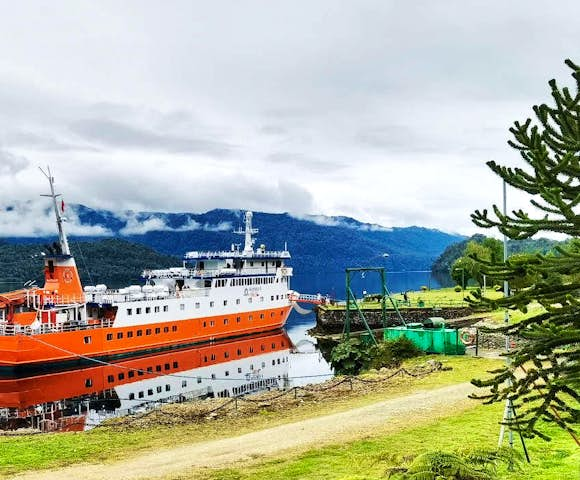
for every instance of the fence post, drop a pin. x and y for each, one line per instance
(350, 381)
(476, 341)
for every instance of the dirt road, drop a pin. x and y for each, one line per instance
(388, 415)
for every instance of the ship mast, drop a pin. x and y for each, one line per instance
(59, 220)
(248, 232)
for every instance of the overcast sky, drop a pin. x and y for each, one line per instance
(384, 110)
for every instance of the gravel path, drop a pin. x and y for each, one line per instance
(388, 415)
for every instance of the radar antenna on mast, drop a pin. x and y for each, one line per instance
(248, 232)
(59, 220)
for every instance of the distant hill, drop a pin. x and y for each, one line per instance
(318, 244)
(444, 262)
(114, 262)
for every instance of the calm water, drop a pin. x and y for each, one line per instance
(81, 399)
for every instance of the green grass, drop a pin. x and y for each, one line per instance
(369, 458)
(441, 297)
(34, 452)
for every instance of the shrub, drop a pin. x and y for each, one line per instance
(457, 288)
(424, 288)
(391, 353)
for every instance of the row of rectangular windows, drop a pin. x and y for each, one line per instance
(139, 333)
(240, 282)
(139, 310)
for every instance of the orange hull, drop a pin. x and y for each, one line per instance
(19, 353)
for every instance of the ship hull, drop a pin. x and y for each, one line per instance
(20, 354)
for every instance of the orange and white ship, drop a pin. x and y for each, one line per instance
(212, 295)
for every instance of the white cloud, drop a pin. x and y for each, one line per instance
(380, 110)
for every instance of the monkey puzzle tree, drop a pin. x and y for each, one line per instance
(545, 370)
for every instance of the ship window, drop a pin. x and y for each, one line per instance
(277, 280)
(211, 323)
(175, 364)
(150, 391)
(139, 333)
(89, 382)
(250, 300)
(174, 328)
(140, 373)
(182, 306)
(119, 335)
(252, 351)
(250, 318)
(184, 383)
(167, 387)
(261, 315)
(157, 330)
(225, 321)
(205, 358)
(131, 396)
(198, 379)
(196, 304)
(226, 354)
(227, 372)
(237, 301)
(149, 369)
(156, 309)
(238, 319)
(131, 373)
(205, 324)
(251, 264)
(165, 308)
(167, 366)
(273, 346)
(110, 378)
(157, 368)
(213, 376)
(239, 369)
(147, 309)
(239, 351)
(87, 340)
(109, 336)
(251, 367)
(148, 331)
(278, 361)
(273, 362)
(141, 394)
(159, 389)
(211, 304)
(129, 311)
(213, 356)
(263, 364)
(262, 347)
(121, 376)
(271, 314)
(129, 334)
(138, 311)
(225, 302)
(262, 264)
(165, 329)
(272, 297)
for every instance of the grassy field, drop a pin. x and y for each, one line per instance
(441, 297)
(107, 444)
(369, 458)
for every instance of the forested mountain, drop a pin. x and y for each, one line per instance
(317, 244)
(114, 262)
(456, 250)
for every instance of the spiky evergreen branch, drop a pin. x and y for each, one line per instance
(547, 383)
